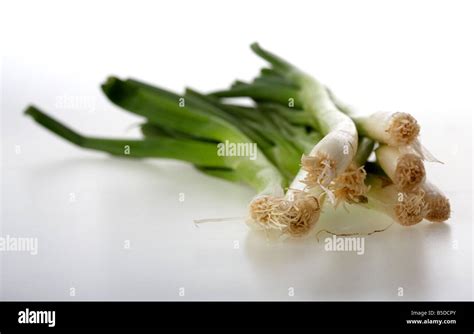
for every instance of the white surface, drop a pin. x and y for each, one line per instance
(400, 56)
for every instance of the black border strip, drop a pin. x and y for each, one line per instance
(370, 315)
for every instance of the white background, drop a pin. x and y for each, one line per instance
(411, 56)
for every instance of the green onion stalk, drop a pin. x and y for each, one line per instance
(287, 85)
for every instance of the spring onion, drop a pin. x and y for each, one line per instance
(333, 154)
(394, 129)
(405, 208)
(350, 187)
(406, 170)
(438, 207)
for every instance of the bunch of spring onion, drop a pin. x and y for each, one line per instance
(309, 144)
(396, 183)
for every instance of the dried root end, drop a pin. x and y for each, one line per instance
(403, 129)
(438, 209)
(300, 215)
(320, 170)
(411, 208)
(261, 213)
(294, 217)
(410, 172)
(350, 186)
